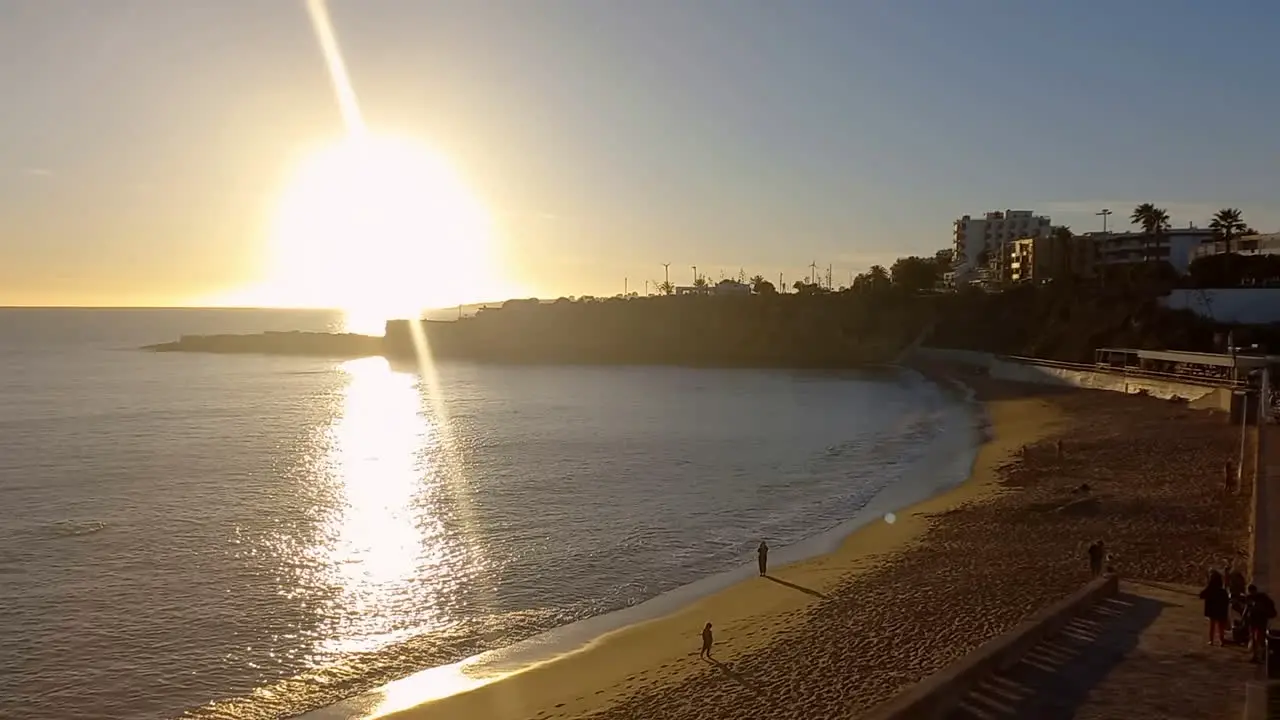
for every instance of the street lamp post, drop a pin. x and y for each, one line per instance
(1104, 213)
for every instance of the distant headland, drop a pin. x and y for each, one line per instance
(804, 331)
(314, 344)
(868, 324)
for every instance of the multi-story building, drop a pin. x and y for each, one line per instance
(1175, 246)
(1267, 244)
(1055, 256)
(979, 242)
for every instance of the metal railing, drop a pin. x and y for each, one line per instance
(1127, 371)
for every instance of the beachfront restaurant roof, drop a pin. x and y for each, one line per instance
(1188, 358)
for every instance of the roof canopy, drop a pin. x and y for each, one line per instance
(1197, 358)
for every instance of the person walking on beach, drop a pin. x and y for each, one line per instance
(762, 558)
(1217, 607)
(1096, 554)
(707, 639)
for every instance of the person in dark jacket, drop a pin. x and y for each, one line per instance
(706, 641)
(1237, 588)
(1097, 553)
(1217, 606)
(1260, 609)
(762, 558)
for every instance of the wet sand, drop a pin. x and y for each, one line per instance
(836, 634)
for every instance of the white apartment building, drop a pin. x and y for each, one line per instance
(1176, 246)
(1265, 244)
(980, 241)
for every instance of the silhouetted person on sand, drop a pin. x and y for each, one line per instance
(1217, 606)
(706, 642)
(762, 558)
(1096, 555)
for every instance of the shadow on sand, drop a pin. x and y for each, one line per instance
(794, 586)
(1167, 587)
(736, 677)
(1055, 678)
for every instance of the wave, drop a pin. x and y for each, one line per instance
(862, 478)
(60, 529)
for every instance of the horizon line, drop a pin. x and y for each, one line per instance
(221, 307)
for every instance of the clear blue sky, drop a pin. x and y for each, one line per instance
(143, 143)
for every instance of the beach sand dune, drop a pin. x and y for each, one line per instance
(832, 636)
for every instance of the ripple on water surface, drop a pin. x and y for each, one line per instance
(287, 533)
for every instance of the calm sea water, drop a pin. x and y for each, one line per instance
(180, 529)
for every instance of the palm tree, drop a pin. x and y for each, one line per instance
(666, 287)
(1227, 225)
(700, 282)
(879, 277)
(1154, 222)
(756, 282)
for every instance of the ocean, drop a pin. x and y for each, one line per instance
(184, 533)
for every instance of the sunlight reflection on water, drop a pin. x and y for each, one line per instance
(381, 538)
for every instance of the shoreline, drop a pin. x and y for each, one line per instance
(662, 649)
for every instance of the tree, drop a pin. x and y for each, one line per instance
(760, 286)
(1154, 222)
(1227, 225)
(915, 273)
(875, 278)
(700, 282)
(807, 288)
(665, 287)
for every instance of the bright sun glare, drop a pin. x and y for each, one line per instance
(380, 227)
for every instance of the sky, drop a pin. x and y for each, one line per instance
(147, 146)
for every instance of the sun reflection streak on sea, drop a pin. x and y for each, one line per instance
(382, 544)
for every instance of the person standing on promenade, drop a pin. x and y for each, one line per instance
(1217, 607)
(1259, 611)
(1096, 554)
(762, 558)
(1237, 587)
(706, 642)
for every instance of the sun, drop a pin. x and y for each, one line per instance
(380, 227)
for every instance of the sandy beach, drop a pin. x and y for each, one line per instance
(836, 634)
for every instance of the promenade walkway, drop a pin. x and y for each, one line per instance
(1141, 655)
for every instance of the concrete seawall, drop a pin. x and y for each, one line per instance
(938, 694)
(1029, 370)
